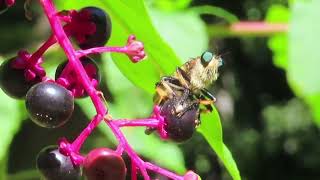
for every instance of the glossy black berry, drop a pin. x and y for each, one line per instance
(55, 166)
(103, 28)
(3, 6)
(49, 104)
(91, 69)
(13, 82)
(104, 164)
(181, 118)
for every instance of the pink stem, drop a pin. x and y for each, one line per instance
(71, 54)
(77, 143)
(131, 153)
(162, 171)
(136, 122)
(258, 27)
(45, 46)
(119, 149)
(103, 49)
(133, 171)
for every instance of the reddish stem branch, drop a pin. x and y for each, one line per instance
(98, 50)
(136, 122)
(162, 171)
(71, 54)
(258, 27)
(133, 170)
(77, 143)
(45, 46)
(247, 28)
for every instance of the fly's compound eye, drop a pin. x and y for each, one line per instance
(206, 57)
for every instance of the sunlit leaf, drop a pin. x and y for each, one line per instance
(279, 43)
(216, 11)
(183, 30)
(11, 118)
(304, 55)
(211, 129)
(128, 19)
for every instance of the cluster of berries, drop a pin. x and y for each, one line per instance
(50, 102)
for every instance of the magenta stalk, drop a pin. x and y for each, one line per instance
(133, 171)
(78, 142)
(136, 122)
(98, 50)
(258, 27)
(44, 47)
(162, 171)
(65, 43)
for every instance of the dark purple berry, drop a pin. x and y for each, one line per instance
(92, 71)
(102, 23)
(55, 166)
(49, 104)
(104, 164)
(181, 117)
(3, 6)
(13, 82)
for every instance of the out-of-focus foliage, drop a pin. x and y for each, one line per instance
(279, 42)
(304, 55)
(11, 116)
(296, 51)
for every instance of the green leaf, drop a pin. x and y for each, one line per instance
(304, 55)
(211, 129)
(132, 18)
(184, 31)
(171, 5)
(11, 117)
(279, 42)
(216, 11)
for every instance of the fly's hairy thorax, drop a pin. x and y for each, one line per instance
(198, 76)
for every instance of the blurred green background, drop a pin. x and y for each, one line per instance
(268, 91)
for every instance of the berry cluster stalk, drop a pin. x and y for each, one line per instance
(102, 113)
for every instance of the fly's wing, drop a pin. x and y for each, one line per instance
(167, 88)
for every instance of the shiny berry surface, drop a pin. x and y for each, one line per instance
(13, 82)
(179, 125)
(104, 164)
(102, 23)
(55, 166)
(49, 104)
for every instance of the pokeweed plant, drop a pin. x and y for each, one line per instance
(50, 102)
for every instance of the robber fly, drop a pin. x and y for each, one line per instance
(195, 75)
(180, 95)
